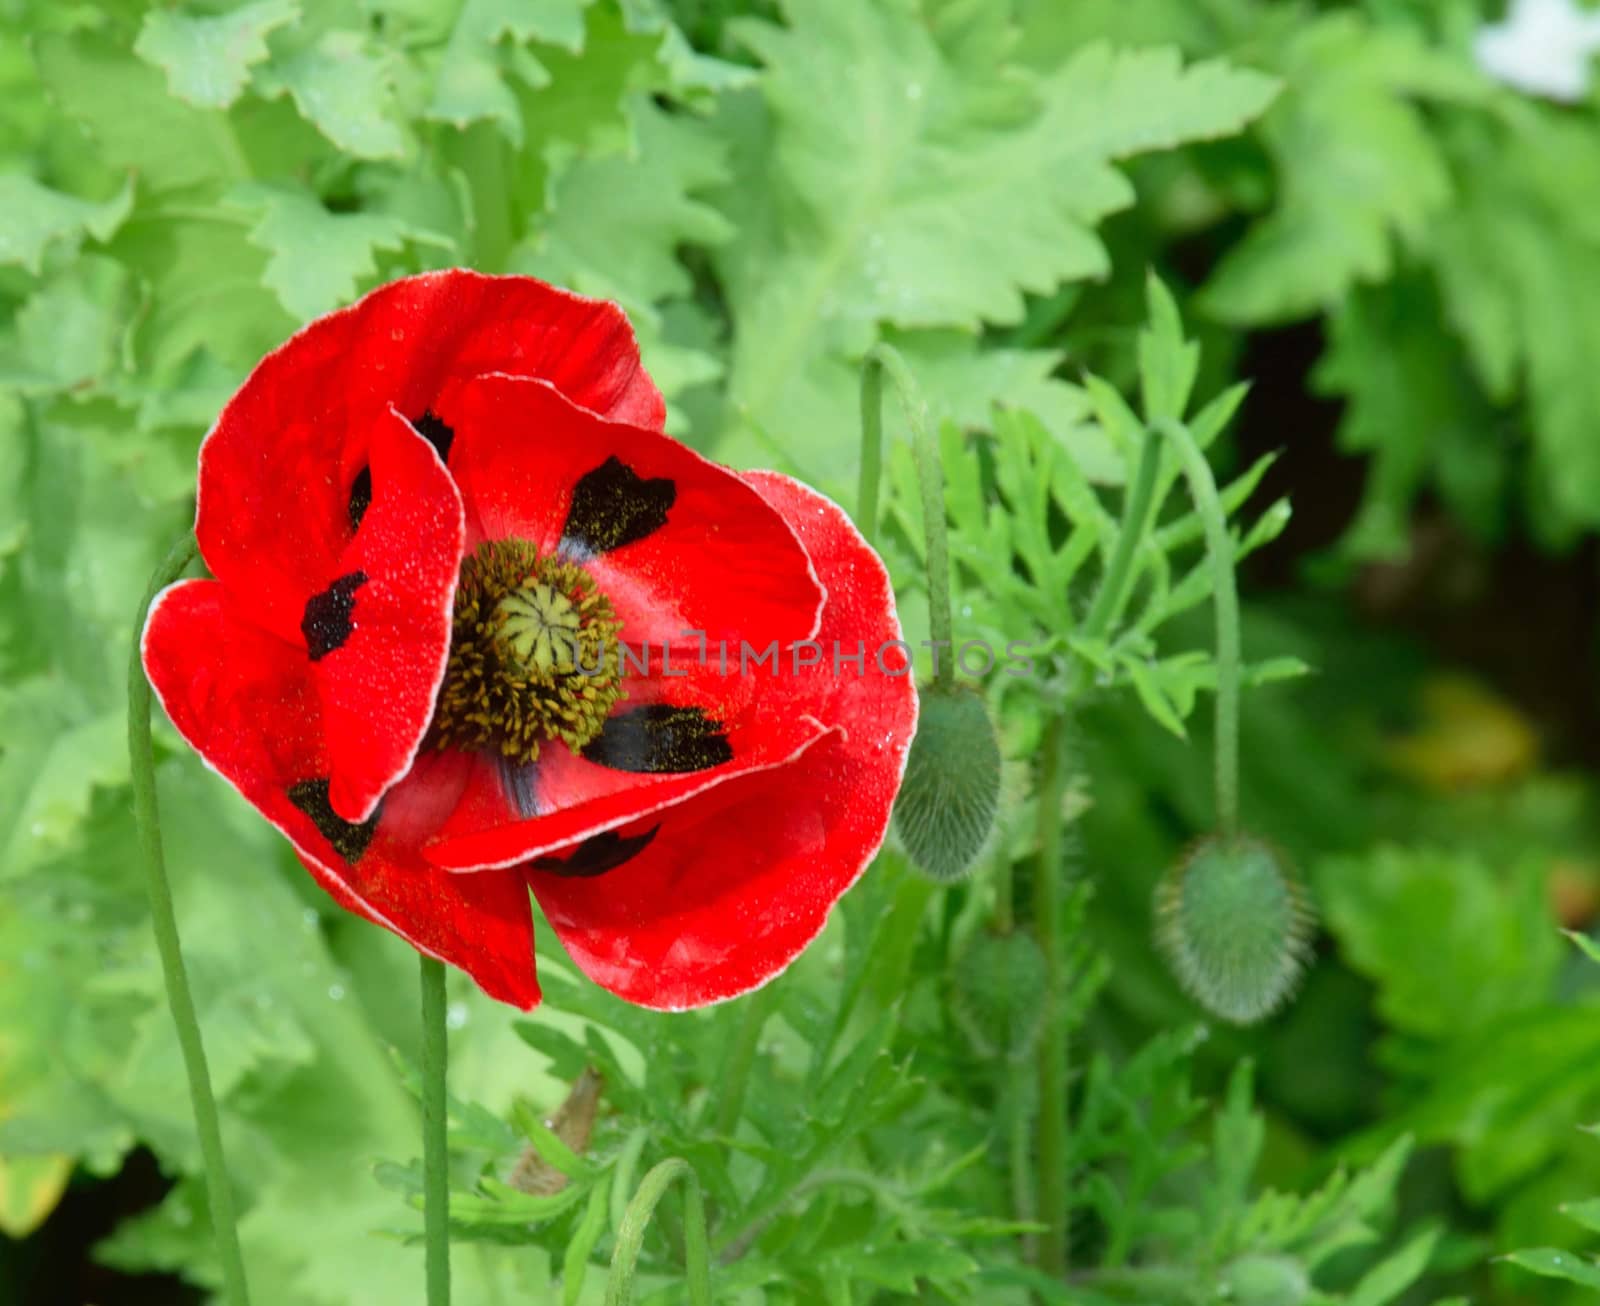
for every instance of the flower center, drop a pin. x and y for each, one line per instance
(534, 654)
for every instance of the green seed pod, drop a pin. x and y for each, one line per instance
(996, 994)
(947, 801)
(1235, 926)
(1262, 1280)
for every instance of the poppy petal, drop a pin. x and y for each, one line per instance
(711, 897)
(379, 635)
(503, 817)
(248, 703)
(288, 457)
(676, 543)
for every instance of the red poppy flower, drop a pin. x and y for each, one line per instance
(479, 627)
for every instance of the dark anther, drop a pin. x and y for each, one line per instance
(660, 738)
(604, 852)
(613, 505)
(348, 839)
(436, 433)
(326, 624)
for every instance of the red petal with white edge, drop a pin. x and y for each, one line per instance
(248, 704)
(283, 462)
(675, 542)
(575, 798)
(705, 900)
(378, 684)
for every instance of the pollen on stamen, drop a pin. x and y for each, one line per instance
(534, 654)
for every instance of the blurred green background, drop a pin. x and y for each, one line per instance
(1383, 215)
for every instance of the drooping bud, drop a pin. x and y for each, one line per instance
(1235, 925)
(947, 801)
(997, 992)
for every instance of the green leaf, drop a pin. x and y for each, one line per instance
(38, 218)
(124, 105)
(344, 88)
(1589, 946)
(1411, 407)
(207, 60)
(1168, 363)
(317, 259)
(1396, 1272)
(1548, 1263)
(1585, 1213)
(864, 203)
(1357, 166)
(575, 1263)
(1452, 943)
(1517, 259)
(71, 332)
(617, 222)
(471, 81)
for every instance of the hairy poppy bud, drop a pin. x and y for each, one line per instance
(1266, 1281)
(947, 801)
(997, 994)
(1234, 924)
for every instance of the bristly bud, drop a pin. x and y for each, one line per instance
(1235, 925)
(997, 994)
(947, 801)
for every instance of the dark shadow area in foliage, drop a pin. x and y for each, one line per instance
(1524, 619)
(53, 1266)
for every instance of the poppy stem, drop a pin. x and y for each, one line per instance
(435, 1153)
(163, 921)
(1053, 1194)
(630, 1236)
(1053, 1247)
(930, 480)
(1225, 606)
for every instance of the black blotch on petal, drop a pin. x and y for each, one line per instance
(436, 433)
(348, 839)
(360, 497)
(604, 852)
(326, 623)
(613, 505)
(660, 738)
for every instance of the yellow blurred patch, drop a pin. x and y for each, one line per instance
(1468, 738)
(30, 1187)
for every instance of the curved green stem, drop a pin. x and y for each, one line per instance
(435, 1151)
(696, 1247)
(930, 480)
(147, 817)
(1052, 1059)
(1225, 602)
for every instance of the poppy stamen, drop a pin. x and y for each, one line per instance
(534, 654)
